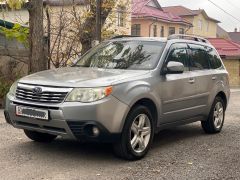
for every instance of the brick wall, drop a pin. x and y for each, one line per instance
(233, 67)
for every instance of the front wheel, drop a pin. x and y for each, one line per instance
(39, 137)
(137, 134)
(216, 117)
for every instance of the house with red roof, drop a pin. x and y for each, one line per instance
(150, 20)
(230, 53)
(203, 25)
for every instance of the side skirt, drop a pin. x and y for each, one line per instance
(180, 123)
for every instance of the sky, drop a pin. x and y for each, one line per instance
(230, 6)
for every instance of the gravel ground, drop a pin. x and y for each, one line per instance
(180, 153)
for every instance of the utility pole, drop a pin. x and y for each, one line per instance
(98, 20)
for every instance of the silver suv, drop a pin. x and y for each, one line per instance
(123, 91)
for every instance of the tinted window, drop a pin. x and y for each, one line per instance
(142, 55)
(178, 53)
(199, 60)
(214, 59)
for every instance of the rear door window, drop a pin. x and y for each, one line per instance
(198, 57)
(214, 59)
(178, 53)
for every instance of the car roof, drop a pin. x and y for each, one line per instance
(161, 39)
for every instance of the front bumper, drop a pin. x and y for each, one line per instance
(73, 119)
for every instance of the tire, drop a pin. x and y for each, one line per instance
(39, 137)
(140, 134)
(215, 121)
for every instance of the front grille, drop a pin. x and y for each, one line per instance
(47, 94)
(31, 125)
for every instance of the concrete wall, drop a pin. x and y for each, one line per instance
(233, 68)
(13, 57)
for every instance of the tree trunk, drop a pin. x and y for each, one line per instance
(37, 61)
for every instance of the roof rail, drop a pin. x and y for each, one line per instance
(123, 36)
(188, 37)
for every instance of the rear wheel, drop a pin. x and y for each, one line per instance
(216, 117)
(39, 137)
(137, 134)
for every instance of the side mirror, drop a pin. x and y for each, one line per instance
(174, 68)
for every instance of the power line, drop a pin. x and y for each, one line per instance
(224, 10)
(234, 5)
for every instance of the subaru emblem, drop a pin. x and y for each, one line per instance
(37, 90)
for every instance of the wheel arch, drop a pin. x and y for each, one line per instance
(150, 104)
(222, 95)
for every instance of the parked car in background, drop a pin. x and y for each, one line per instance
(124, 91)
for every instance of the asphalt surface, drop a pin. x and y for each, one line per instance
(180, 153)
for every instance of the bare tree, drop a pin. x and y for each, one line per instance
(71, 30)
(62, 30)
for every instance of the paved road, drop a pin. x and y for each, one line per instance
(180, 153)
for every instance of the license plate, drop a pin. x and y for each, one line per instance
(32, 112)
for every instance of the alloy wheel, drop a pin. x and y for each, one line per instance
(140, 133)
(218, 115)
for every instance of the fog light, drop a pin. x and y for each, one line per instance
(95, 131)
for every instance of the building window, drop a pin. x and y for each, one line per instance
(181, 31)
(207, 26)
(171, 31)
(120, 16)
(162, 31)
(200, 24)
(155, 30)
(136, 30)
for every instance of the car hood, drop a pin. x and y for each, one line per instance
(80, 77)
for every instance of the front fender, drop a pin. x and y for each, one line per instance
(131, 93)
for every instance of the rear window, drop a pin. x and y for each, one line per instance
(214, 59)
(136, 55)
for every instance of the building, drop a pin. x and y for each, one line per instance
(203, 25)
(222, 33)
(235, 36)
(230, 53)
(150, 20)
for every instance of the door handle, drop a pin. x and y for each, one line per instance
(214, 78)
(191, 81)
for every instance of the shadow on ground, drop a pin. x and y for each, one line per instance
(96, 152)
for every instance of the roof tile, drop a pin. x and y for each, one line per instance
(141, 9)
(225, 47)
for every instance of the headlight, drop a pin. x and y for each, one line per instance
(13, 89)
(87, 95)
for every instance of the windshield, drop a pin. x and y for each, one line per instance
(136, 55)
